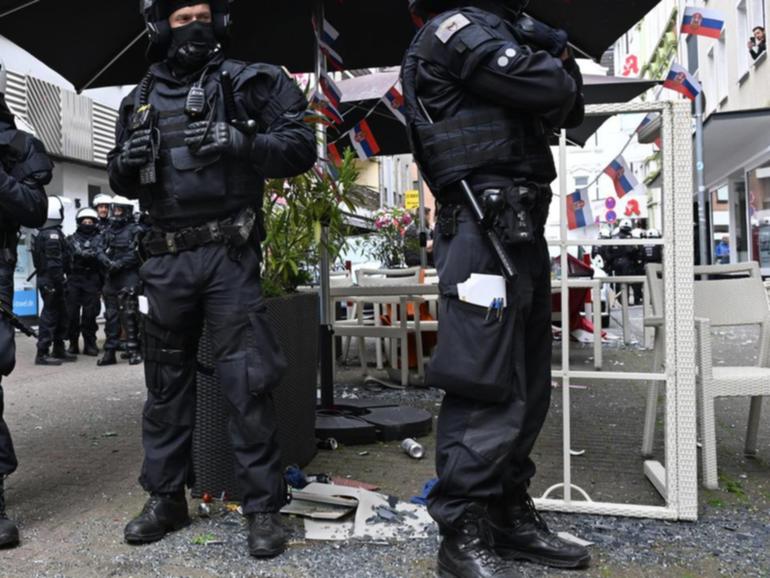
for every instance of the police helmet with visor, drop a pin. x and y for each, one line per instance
(156, 14)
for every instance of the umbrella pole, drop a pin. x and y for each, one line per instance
(326, 332)
(705, 246)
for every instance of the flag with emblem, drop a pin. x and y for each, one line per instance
(683, 82)
(622, 177)
(334, 161)
(363, 140)
(319, 103)
(702, 22)
(579, 212)
(394, 100)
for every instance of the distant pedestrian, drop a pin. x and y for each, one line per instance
(722, 251)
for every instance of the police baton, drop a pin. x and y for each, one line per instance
(15, 322)
(509, 269)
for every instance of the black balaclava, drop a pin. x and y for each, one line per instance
(87, 229)
(192, 46)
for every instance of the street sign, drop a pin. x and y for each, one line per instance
(412, 200)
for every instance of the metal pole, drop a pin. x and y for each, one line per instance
(704, 245)
(423, 228)
(326, 331)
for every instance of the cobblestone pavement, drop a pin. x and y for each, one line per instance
(77, 433)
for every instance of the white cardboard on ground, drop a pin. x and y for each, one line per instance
(357, 528)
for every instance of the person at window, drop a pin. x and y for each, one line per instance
(722, 251)
(758, 42)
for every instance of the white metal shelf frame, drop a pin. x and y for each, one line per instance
(678, 479)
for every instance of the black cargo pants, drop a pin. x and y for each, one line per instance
(183, 291)
(53, 318)
(483, 448)
(83, 305)
(116, 282)
(7, 360)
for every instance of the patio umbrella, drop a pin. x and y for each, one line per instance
(96, 43)
(362, 95)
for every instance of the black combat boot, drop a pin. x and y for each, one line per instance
(43, 358)
(9, 533)
(162, 513)
(468, 551)
(135, 357)
(90, 349)
(73, 349)
(524, 535)
(59, 352)
(267, 537)
(108, 358)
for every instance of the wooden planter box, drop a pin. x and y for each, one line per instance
(294, 319)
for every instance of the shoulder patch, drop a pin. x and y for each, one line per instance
(451, 26)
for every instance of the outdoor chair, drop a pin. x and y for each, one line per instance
(725, 295)
(400, 328)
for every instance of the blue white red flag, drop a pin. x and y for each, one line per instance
(579, 212)
(394, 100)
(325, 108)
(331, 91)
(683, 82)
(334, 161)
(622, 177)
(327, 41)
(702, 21)
(363, 140)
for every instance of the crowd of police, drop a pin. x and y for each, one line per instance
(100, 260)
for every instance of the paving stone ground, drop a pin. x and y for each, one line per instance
(77, 433)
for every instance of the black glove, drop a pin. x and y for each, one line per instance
(136, 152)
(539, 35)
(208, 138)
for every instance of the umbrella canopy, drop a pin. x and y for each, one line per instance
(97, 43)
(360, 97)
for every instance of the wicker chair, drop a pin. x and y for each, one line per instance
(728, 295)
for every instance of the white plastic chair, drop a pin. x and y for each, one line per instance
(740, 299)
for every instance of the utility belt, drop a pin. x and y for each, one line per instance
(517, 212)
(234, 232)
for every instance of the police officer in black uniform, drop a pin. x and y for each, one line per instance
(50, 254)
(219, 128)
(623, 258)
(84, 283)
(484, 90)
(119, 256)
(24, 170)
(101, 205)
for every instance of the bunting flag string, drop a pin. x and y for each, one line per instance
(363, 141)
(622, 177)
(328, 36)
(394, 100)
(681, 81)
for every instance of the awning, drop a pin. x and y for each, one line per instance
(731, 140)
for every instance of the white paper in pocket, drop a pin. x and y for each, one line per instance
(482, 290)
(144, 305)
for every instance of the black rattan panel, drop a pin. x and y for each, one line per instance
(294, 320)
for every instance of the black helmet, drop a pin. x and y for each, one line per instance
(156, 13)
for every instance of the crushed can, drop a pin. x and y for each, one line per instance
(413, 448)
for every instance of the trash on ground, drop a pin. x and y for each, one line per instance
(422, 498)
(320, 506)
(574, 539)
(354, 484)
(413, 448)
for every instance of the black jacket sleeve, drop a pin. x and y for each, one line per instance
(22, 196)
(285, 145)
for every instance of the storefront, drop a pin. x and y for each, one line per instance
(25, 301)
(737, 176)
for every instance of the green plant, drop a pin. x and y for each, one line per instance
(295, 210)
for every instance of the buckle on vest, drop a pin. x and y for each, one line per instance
(171, 243)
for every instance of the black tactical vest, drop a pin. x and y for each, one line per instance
(120, 240)
(191, 189)
(83, 248)
(483, 138)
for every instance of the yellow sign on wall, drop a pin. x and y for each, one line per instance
(412, 200)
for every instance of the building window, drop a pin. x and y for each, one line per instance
(93, 190)
(722, 70)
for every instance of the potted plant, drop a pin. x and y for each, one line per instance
(294, 211)
(392, 240)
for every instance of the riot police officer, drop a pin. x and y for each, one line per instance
(484, 89)
(623, 258)
(84, 283)
(119, 256)
(101, 205)
(195, 142)
(24, 170)
(50, 254)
